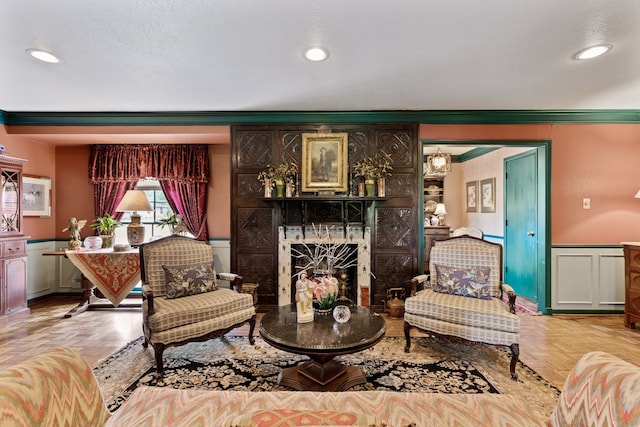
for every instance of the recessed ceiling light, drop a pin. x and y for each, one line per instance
(316, 54)
(44, 56)
(593, 51)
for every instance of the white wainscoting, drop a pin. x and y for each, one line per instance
(587, 278)
(56, 274)
(222, 255)
(41, 277)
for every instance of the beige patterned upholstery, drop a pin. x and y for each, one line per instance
(54, 388)
(489, 321)
(200, 317)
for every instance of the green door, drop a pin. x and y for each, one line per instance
(521, 224)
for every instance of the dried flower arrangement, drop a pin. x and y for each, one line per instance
(378, 166)
(286, 171)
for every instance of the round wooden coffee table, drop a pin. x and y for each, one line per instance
(322, 340)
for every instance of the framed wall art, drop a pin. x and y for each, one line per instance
(324, 162)
(36, 199)
(488, 195)
(472, 196)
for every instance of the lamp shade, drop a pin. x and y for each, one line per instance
(134, 200)
(440, 209)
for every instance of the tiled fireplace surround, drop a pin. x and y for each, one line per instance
(360, 236)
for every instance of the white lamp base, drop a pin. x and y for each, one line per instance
(135, 231)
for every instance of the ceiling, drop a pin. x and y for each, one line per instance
(242, 55)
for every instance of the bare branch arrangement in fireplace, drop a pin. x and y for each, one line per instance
(323, 256)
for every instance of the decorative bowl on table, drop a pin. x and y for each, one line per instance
(93, 242)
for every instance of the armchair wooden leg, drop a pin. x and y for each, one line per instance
(158, 349)
(407, 329)
(515, 353)
(252, 326)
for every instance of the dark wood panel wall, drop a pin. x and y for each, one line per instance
(395, 228)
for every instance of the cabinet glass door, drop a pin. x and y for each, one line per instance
(10, 202)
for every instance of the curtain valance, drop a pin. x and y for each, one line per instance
(176, 162)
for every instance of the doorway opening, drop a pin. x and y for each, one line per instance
(476, 161)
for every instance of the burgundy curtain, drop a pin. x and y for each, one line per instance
(107, 195)
(189, 199)
(183, 172)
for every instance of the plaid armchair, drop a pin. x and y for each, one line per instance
(463, 296)
(182, 299)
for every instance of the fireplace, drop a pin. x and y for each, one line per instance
(356, 237)
(349, 256)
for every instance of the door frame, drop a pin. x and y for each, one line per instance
(543, 173)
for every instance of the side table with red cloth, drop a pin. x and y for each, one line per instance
(115, 274)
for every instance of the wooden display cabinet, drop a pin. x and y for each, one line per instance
(13, 242)
(631, 284)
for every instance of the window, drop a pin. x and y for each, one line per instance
(161, 210)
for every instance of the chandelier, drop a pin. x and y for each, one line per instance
(438, 164)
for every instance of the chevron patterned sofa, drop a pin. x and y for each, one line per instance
(57, 388)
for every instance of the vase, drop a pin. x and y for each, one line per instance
(289, 189)
(323, 311)
(382, 187)
(325, 293)
(370, 185)
(280, 187)
(268, 188)
(107, 240)
(361, 192)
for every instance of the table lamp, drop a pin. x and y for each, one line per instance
(440, 212)
(134, 201)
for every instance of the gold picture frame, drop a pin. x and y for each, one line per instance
(472, 196)
(324, 162)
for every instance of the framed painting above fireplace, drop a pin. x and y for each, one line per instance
(324, 162)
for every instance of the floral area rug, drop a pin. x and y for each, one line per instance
(231, 363)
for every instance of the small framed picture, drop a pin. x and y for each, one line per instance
(35, 196)
(488, 195)
(472, 196)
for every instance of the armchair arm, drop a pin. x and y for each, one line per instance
(416, 281)
(147, 294)
(511, 295)
(235, 279)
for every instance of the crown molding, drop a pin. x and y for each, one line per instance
(204, 118)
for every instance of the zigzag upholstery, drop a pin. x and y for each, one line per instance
(489, 321)
(177, 321)
(600, 390)
(161, 406)
(56, 388)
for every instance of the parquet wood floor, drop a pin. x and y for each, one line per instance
(550, 345)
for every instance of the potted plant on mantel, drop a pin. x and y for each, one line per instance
(105, 226)
(284, 175)
(374, 168)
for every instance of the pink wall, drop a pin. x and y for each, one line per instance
(598, 161)
(39, 164)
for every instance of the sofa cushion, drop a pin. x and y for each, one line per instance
(468, 282)
(173, 313)
(192, 279)
(491, 314)
(297, 417)
(55, 388)
(600, 390)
